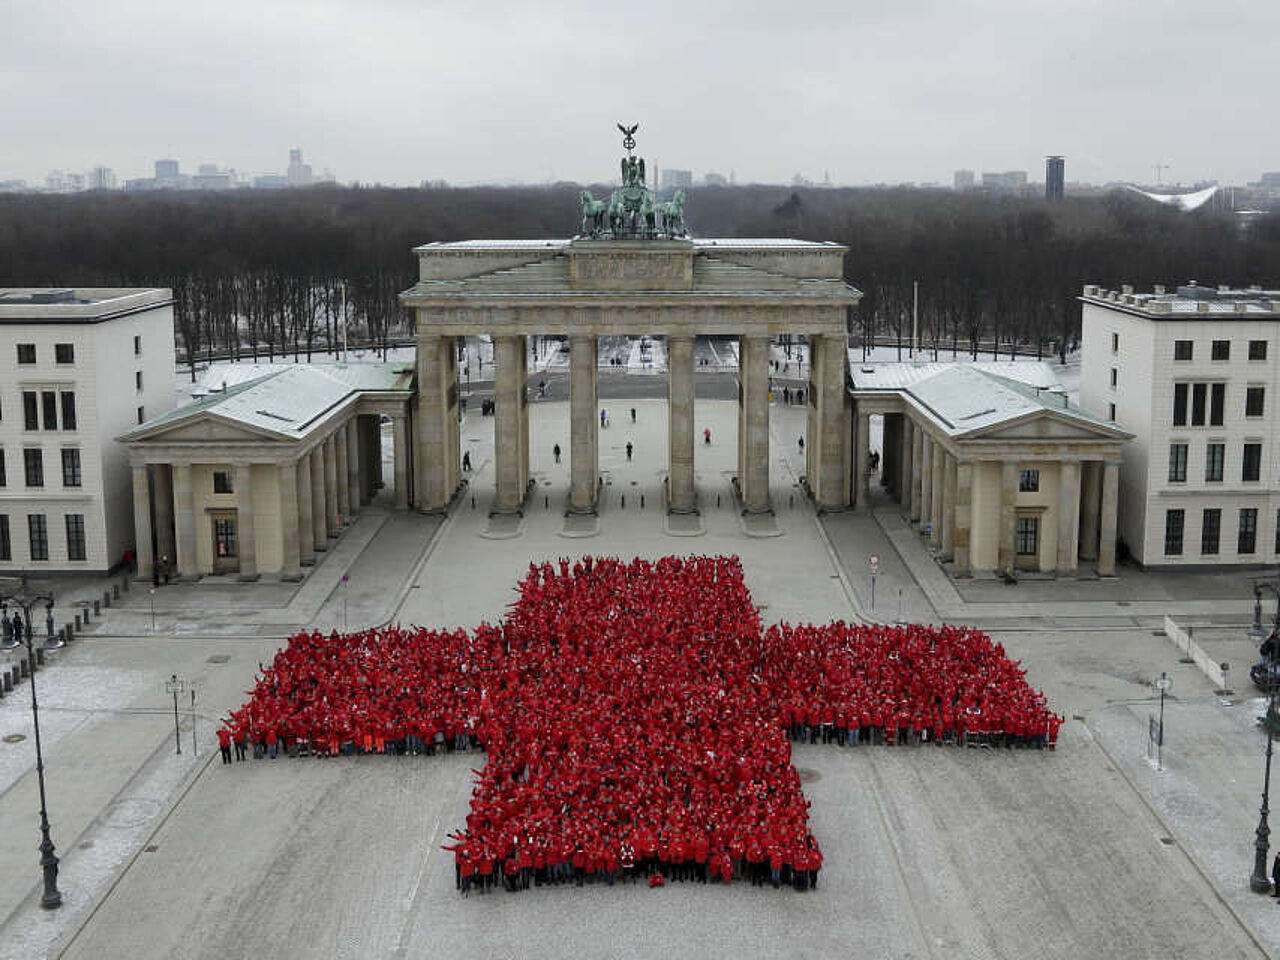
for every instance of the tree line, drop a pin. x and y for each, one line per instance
(269, 273)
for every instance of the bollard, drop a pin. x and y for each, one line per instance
(97, 611)
(39, 656)
(7, 680)
(624, 501)
(115, 591)
(24, 668)
(546, 502)
(717, 501)
(642, 501)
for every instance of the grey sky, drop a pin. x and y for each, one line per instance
(403, 90)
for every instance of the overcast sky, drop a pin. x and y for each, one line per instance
(398, 91)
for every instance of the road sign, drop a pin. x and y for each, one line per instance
(1163, 683)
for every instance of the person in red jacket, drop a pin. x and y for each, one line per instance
(224, 743)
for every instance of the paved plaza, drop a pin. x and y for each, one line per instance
(1088, 851)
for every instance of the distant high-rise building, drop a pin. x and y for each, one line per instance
(963, 180)
(101, 178)
(673, 179)
(712, 179)
(299, 173)
(167, 170)
(209, 177)
(1055, 169)
(1013, 181)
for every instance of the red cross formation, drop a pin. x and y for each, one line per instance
(638, 707)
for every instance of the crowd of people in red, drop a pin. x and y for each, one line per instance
(636, 718)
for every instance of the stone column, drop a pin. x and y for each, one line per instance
(926, 481)
(828, 442)
(331, 508)
(402, 463)
(319, 501)
(753, 424)
(1068, 516)
(341, 486)
(682, 497)
(291, 549)
(1008, 512)
(437, 423)
(162, 500)
(352, 431)
(142, 522)
(244, 522)
(509, 375)
(962, 538)
(949, 481)
(938, 468)
(1107, 531)
(184, 512)
(906, 462)
(522, 433)
(916, 496)
(306, 517)
(584, 427)
(1090, 508)
(862, 460)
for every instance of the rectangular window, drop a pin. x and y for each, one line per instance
(1111, 412)
(1114, 375)
(1215, 455)
(71, 468)
(33, 467)
(1182, 349)
(1198, 393)
(137, 380)
(26, 353)
(137, 346)
(1257, 349)
(1177, 463)
(222, 482)
(1221, 350)
(141, 415)
(68, 410)
(1029, 481)
(1028, 536)
(75, 536)
(49, 407)
(1115, 343)
(6, 549)
(1180, 404)
(64, 353)
(38, 530)
(1247, 539)
(1217, 403)
(30, 410)
(1173, 523)
(1254, 399)
(1251, 462)
(1210, 530)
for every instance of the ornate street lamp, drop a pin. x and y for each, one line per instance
(1259, 882)
(51, 899)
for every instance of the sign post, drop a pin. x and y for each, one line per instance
(873, 567)
(1163, 683)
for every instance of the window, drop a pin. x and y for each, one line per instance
(1214, 457)
(1247, 539)
(1182, 349)
(49, 407)
(1177, 463)
(1210, 530)
(1180, 404)
(137, 346)
(1251, 463)
(64, 353)
(1221, 350)
(71, 468)
(1254, 398)
(38, 530)
(1111, 412)
(137, 380)
(6, 550)
(222, 482)
(30, 410)
(1217, 402)
(1028, 536)
(33, 466)
(75, 536)
(26, 353)
(224, 538)
(68, 410)
(1173, 523)
(1115, 343)
(1114, 375)
(1029, 481)
(1198, 393)
(1257, 349)
(141, 415)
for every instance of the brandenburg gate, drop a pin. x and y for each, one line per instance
(632, 271)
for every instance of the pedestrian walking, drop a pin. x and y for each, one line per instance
(17, 627)
(466, 461)
(628, 451)
(604, 418)
(786, 395)
(633, 414)
(706, 436)
(801, 442)
(224, 744)
(555, 452)
(1275, 875)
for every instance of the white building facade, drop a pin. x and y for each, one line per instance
(1193, 375)
(77, 368)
